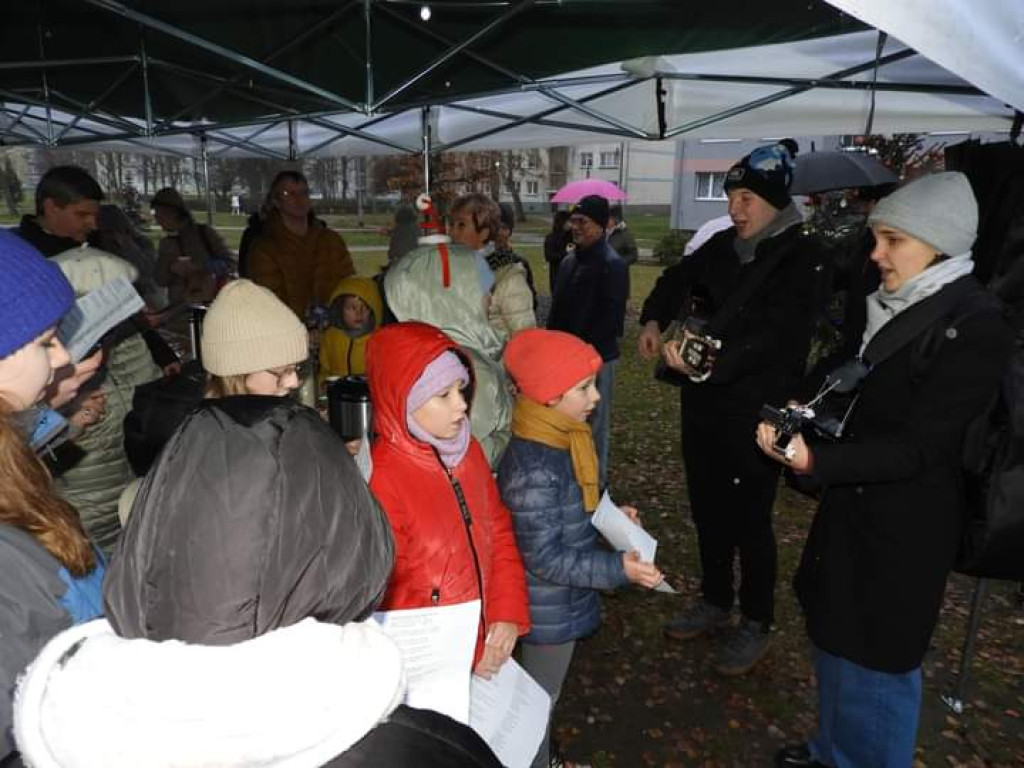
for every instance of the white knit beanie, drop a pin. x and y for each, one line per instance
(248, 329)
(939, 210)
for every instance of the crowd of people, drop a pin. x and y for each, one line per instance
(234, 578)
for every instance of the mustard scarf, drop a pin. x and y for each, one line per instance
(533, 421)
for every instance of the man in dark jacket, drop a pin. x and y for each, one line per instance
(67, 204)
(767, 260)
(590, 302)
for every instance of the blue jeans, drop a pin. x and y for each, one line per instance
(866, 719)
(601, 418)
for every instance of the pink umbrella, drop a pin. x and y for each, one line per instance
(575, 190)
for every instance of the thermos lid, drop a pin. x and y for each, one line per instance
(349, 388)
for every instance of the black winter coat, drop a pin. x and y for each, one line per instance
(590, 298)
(874, 568)
(764, 346)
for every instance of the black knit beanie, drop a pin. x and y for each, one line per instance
(767, 172)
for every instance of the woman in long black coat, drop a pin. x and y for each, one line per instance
(874, 568)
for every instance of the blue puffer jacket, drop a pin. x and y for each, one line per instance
(565, 564)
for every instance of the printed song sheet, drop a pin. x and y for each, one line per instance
(625, 535)
(510, 712)
(621, 532)
(96, 313)
(437, 649)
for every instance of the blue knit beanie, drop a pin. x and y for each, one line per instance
(34, 294)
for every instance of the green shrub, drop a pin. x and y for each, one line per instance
(669, 249)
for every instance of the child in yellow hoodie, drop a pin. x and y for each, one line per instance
(356, 310)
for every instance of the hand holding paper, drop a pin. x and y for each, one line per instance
(625, 534)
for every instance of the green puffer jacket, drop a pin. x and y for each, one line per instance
(414, 291)
(94, 467)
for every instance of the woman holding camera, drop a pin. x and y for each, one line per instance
(874, 567)
(754, 287)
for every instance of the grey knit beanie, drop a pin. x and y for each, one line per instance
(248, 329)
(939, 210)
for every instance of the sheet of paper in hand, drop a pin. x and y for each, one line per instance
(437, 650)
(96, 313)
(510, 712)
(621, 532)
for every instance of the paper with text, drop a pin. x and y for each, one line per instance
(437, 647)
(96, 313)
(510, 712)
(621, 532)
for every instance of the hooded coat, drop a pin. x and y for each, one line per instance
(343, 352)
(253, 551)
(414, 290)
(453, 535)
(94, 468)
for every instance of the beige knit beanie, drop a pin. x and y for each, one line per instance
(248, 329)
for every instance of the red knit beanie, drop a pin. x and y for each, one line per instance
(546, 364)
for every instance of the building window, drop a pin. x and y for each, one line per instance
(610, 159)
(586, 159)
(710, 186)
(532, 187)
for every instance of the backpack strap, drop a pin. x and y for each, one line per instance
(911, 323)
(759, 273)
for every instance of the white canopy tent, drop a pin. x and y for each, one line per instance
(860, 82)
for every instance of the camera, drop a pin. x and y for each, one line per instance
(788, 422)
(698, 349)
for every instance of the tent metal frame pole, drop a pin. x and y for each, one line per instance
(226, 84)
(24, 124)
(532, 118)
(147, 99)
(219, 50)
(9, 130)
(57, 63)
(92, 105)
(292, 141)
(344, 132)
(231, 141)
(788, 93)
(285, 113)
(248, 139)
(524, 82)
(128, 128)
(368, 29)
(110, 118)
(817, 83)
(882, 37)
(46, 86)
(480, 34)
(549, 123)
(425, 128)
(300, 38)
(596, 114)
(204, 157)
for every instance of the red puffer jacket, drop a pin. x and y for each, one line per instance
(447, 552)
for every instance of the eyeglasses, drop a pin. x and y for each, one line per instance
(301, 370)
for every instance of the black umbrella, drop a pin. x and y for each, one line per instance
(822, 171)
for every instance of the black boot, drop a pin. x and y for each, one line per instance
(796, 756)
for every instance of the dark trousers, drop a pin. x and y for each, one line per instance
(732, 490)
